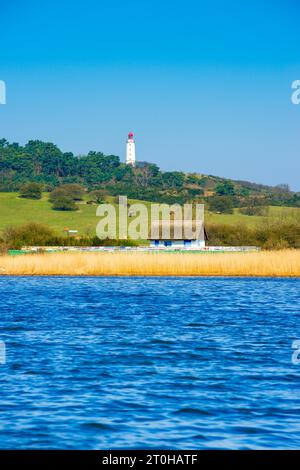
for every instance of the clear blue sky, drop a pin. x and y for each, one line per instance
(205, 86)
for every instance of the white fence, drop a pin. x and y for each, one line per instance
(210, 249)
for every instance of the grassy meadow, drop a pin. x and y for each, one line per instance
(17, 211)
(284, 263)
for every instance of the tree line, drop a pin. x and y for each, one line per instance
(41, 166)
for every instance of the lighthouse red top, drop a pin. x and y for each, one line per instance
(130, 135)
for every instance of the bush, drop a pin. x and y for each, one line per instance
(222, 204)
(230, 235)
(252, 210)
(97, 196)
(64, 203)
(31, 191)
(225, 189)
(64, 196)
(56, 193)
(72, 191)
(3, 247)
(34, 234)
(28, 234)
(270, 234)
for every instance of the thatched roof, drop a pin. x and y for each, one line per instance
(177, 230)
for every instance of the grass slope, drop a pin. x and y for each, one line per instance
(17, 211)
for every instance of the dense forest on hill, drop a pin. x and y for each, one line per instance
(44, 163)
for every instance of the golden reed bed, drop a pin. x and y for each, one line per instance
(268, 263)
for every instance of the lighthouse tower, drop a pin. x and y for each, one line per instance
(130, 150)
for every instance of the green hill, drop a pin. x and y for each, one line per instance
(44, 163)
(18, 211)
(228, 203)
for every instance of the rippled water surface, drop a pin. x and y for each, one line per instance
(172, 363)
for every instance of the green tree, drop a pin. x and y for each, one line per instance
(64, 203)
(173, 179)
(98, 196)
(221, 204)
(74, 192)
(244, 192)
(225, 189)
(192, 179)
(31, 191)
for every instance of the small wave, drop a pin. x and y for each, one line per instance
(96, 425)
(194, 411)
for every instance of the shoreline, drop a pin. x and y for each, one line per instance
(174, 276)
(264, 264)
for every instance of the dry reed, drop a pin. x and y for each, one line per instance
(266, 263)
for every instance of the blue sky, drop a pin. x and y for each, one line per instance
(205, 86)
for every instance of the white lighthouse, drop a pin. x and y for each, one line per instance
(130, 150)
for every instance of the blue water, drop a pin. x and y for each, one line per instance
(106, 363)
